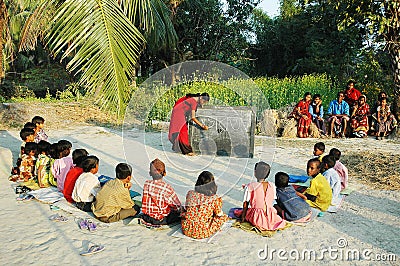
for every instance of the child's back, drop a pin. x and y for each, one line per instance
(294, 207)
(340, 168)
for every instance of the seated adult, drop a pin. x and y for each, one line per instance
(316, 111)
(359, 118)
(391, 120)
(338, 113)
(302, 115)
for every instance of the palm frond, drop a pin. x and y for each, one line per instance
(35, 26)
(105, 46)
(140, 12)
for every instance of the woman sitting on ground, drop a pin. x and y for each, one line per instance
(359, 118)
(302, 115)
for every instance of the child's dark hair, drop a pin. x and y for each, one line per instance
(320, 146)
(329, 160)
(30, 125)
(317, 95)
(306, 94)
(64, 145)
(261, 170)
(335, 153)
(43, 146)
(53, 151)
(205, 96)
(37, 120)
(205, 184)
(78, 155)
(315, 160)
(123, 170)
(25, 132)
(89, 163)
(30, 146)
(281, 180)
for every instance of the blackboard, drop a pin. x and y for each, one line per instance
(230, 133)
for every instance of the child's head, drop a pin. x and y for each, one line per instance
(90, 164)
(335, 153)
(38, 121)
(43, 147)
(30, 148)
(205, 184)
(30, 125)
(281, 180)
(319, 148)
(53, 151)
(78, 155)
(261, 170)
(157, 169)
(27, 134)
(123, 171)
(64, 148)
(383, 102)
(327, 162)
(313, 167)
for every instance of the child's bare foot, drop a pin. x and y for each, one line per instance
(191, 154)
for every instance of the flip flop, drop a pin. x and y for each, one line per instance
(83, 224)
(91, 225)
(93, 250)
(58, 218)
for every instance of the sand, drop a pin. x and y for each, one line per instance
(367, 224)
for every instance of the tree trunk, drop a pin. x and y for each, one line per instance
(395, 62)
(3, 22)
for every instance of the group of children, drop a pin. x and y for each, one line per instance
(266, 205)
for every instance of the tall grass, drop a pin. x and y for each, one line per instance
(275, 93)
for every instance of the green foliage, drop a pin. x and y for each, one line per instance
(278, 92)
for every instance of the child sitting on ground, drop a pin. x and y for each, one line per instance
(319, 149)
(53, 155)
(38, 121)
(113, 201)
(259, 200)
(64, 164)
(87, 185)
(204, 215)
(160, 204)
(340, 168)
(78, 156)
(42, 166)
(28, 160)
(291, 205)
(27, 135)
(319, 194)
(328, 162)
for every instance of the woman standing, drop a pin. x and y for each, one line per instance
(359, 118)
(184, 111)
(302, 115)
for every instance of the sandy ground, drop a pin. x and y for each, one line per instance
(367, 224)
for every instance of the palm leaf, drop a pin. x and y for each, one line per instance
(105, 46)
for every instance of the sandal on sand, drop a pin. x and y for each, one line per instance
(58, 218)
(91, 225)
(93, 250)
(83, 224)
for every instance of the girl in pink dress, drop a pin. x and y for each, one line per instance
(258, 203)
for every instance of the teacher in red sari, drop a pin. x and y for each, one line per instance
(183, 112)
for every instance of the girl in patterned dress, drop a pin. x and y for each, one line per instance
(203, 216)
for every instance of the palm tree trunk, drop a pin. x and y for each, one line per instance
(3, 22)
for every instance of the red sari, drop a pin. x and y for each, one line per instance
(178, 130)
(359, 122)
(302, 124)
